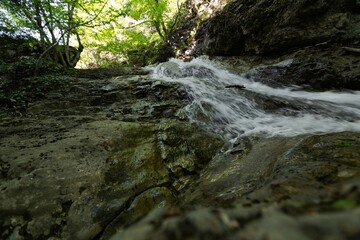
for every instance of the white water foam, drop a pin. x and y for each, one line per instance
(234, 112)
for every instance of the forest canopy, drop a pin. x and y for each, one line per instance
(111, 32)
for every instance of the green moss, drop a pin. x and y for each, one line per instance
(343, 143)
(344, 204)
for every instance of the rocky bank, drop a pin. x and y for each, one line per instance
(93, 152)
(264, 26)
(90, 159)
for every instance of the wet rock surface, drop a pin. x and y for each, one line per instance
(316, 68)
(109, 153)
(241, 223)
(95, 154)
(90, 159)
(313, 70)
(300, 188)
(116, 158)
(308, 169)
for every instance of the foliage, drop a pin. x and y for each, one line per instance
(158, 13)
(130, 30)
(133, 34)
(27, 67)
(15, 93)
(44, 17)
(51, 22)
(3, 68)
(14, 49)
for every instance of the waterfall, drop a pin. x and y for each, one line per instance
(233, 106)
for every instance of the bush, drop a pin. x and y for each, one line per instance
(29, 67)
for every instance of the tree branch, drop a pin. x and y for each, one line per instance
(71, 28)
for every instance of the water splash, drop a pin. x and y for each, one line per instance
(258, 108)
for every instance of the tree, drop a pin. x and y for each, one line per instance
(132, 31)
(158, 13)
(53, 22)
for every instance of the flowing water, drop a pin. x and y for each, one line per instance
(218, 103)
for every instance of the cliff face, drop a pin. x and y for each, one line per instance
(264, 26)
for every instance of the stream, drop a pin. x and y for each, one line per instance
(234, 106)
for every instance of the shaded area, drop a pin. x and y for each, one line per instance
(277, 26)
(298, 188)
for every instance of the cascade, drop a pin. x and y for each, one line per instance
(234, 106)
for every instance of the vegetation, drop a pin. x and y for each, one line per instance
(112, 31)
(15, 94)
(131, 32)
(51, 22)
(47, 37)
(344, 143)
(345, 204)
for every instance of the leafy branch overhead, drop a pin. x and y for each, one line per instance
(64, 27)
(51, 22)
